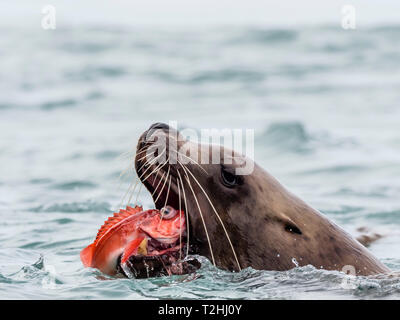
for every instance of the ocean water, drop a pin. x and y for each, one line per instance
(324, 103)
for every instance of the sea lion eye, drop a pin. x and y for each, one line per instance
(229, 179)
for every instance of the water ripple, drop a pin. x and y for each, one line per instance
(75, 207)
(75, 185)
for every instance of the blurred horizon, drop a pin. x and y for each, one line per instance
(284, 13)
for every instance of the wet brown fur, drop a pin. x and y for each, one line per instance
(268, 225)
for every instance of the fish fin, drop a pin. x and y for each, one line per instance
(117, 217)
(87, 255)
(131, 248)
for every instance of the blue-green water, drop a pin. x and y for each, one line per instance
(324, 103)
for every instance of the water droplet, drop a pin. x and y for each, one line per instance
(295, 262)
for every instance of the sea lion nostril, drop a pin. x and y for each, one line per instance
(159, 125)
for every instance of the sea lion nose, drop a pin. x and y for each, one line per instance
(159, 125)
(148, 134)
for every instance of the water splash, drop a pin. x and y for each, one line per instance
(295, 262)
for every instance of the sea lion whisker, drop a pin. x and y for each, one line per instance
(181, 154)
(137, 179)
(201, 216)
(166, 200)
(130, 184)
(180, 220)
(141, 150)
(128, 154)
(169, 187)
(166, 179)
(125, 171)
(147, 149)
(187, 213)
(219, 218)
(161, 179)
(156, 170)
(137, 197)
(134, 189)
(129, 188)
(129, 191)
(149, 163)
(184, 155)
(133, 192)
(132, 160)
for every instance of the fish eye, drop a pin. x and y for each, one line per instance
(168, 212)
(229, 179)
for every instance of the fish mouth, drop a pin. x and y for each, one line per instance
(159, 255)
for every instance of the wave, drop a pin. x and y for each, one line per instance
(74, 185)
(50, 105)
(75, 207)
(375, 192)
(76, 47)
(213, 283)
(92, 73)
(385, 217)
(264, 36)
(294, 137)
(218, 75)
(291, 135)
(341, 168)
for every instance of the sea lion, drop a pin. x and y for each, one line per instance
(240, 221)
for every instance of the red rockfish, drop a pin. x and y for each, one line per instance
(134, 233)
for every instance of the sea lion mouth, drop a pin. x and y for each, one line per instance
(159, 176)
(164, 256)
(170, 175)
(163, 190)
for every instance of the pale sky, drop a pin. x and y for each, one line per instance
(199, 12)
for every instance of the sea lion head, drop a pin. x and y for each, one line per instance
(239, 217)
(228, 211)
